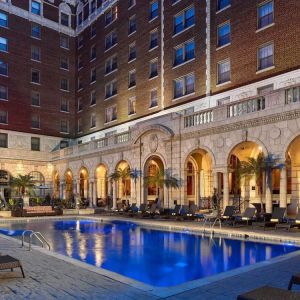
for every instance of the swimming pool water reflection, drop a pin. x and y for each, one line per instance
(155, 257)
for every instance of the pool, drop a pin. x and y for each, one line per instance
(155, 257)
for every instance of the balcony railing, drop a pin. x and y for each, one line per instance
(122, 138)
(102, 143)
(198, 118)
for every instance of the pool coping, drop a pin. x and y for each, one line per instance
(162, 292)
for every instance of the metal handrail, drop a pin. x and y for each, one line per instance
(38, 236)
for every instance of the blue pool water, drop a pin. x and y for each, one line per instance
(158, 258)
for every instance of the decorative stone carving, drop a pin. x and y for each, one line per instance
(153, 142)
(220, 142)
(275, 133)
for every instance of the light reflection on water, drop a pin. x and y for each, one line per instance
(154, 257)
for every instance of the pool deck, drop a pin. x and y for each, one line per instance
(57, 277)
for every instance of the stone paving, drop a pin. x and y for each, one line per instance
(48, 277)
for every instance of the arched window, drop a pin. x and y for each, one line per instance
(37, 178)
(65, 14)
(4, 178)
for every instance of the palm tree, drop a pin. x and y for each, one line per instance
(135, 174)
(23, 184)
(258, 167)
(161, 179)
(123, 175)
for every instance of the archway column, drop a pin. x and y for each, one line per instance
(268, 183)
(61, 190)
(283, 187)
(78, 187)
(114, 195)
(74, 183)
(225, 188)
(95, 193)
(90, 193)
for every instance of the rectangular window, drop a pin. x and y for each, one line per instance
(93, 30)
(224, 34)
(64, 84)
(223, 3)
(153, 10)
(184, 20)
(292, 95)
(64, 126)
(93, 52)
(184, 86)
(64, 42)
(132, 52)
(111, 89)
(93, 121)
(35, 31)
(79, 41)
(36, 7)
(3, 19)
(265, 14)
(153, 98)
(184, 53)
(110, 114)
(35, 98)
(64, 19)
(153, 39)
(131, 106)
(3, 68)
(35, 121)
(93, 6)
(93, 75)
(266, 56)
(132, 79)
(110, 40)
(111, 15)
(79, 104)
(36, 53)
(79, 84)
(3, 140)
(223, 72)
(3, 117)
(64, 62)
(64, 105)
(79, 125)
(153, 68)
(131, 25)
(3, 44)
(79, 62)
(111, 64)
(3, 92)
(93, 98)
(79, 18)
(35, 76)
(35, 144)
(131, 3)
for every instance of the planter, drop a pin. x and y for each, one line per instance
(74, 212)
(6, 214)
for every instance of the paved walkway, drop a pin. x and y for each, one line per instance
(48, 277)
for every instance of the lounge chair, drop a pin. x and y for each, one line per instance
(176, 211)
(8, 262)
(246, 217)
(290, 223)
(227, 216)
(150, 212)
(276, 218)
(295, 279)
(269, 293)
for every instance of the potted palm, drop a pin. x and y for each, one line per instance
(23, 185)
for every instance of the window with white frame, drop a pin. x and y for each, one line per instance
(79, 104)
(111, 64)
(64, 62)
(184, 52)
(35, 53)
(36, 7)
(35, 76)
(64, 105)
(224, 71)
(3, 19)
(79, 41)
(93, 75)
(224, 37)
(79, 62)
(131, 3)
(3, 92)
(64, 84)
(35, 144)
(110, 40)
(111, 15)
(132, 25)
(111, 89)
(93, 97)
(3, 140)
(93, 52)
(153, 39)
(265, 57)
(3, 68)
(153, 68)
(110, 114)
(221, 4)
(132, 52)
(265, 14)
(153, 98)
(36, 31)
(79, 125)
(3, 44)
(79, 18)
(64, 19)
(64, 42)
(64, 126)
(93, 6)
(153, 11)
(184, 20)
(184, 86)
(3, 117)
(131, 78)
(79, 84)
(93, 120)
(132, 106)
(35, 122)
(93, 30)
(35, 98)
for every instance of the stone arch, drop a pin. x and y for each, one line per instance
(123, 184)
(101, 182)
(83, 177)
(56, 184)
(5, 190)
(157, 127)
(68, 180)
(188, 150)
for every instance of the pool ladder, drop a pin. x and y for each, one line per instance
(37, 235)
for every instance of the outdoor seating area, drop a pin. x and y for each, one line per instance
(37, 211)
(8, 262)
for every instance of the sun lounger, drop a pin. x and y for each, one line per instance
(290, 223)
(176, 211)
(151, 212)
(269, 293)
(246, 217)
(9, 263)
(227, 216)
(277, 217)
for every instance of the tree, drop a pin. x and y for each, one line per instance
(135, 174)
(123, 175)
(23, 184)
(258, 167)
(161, 179)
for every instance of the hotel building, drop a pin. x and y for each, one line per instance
(192, 87)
